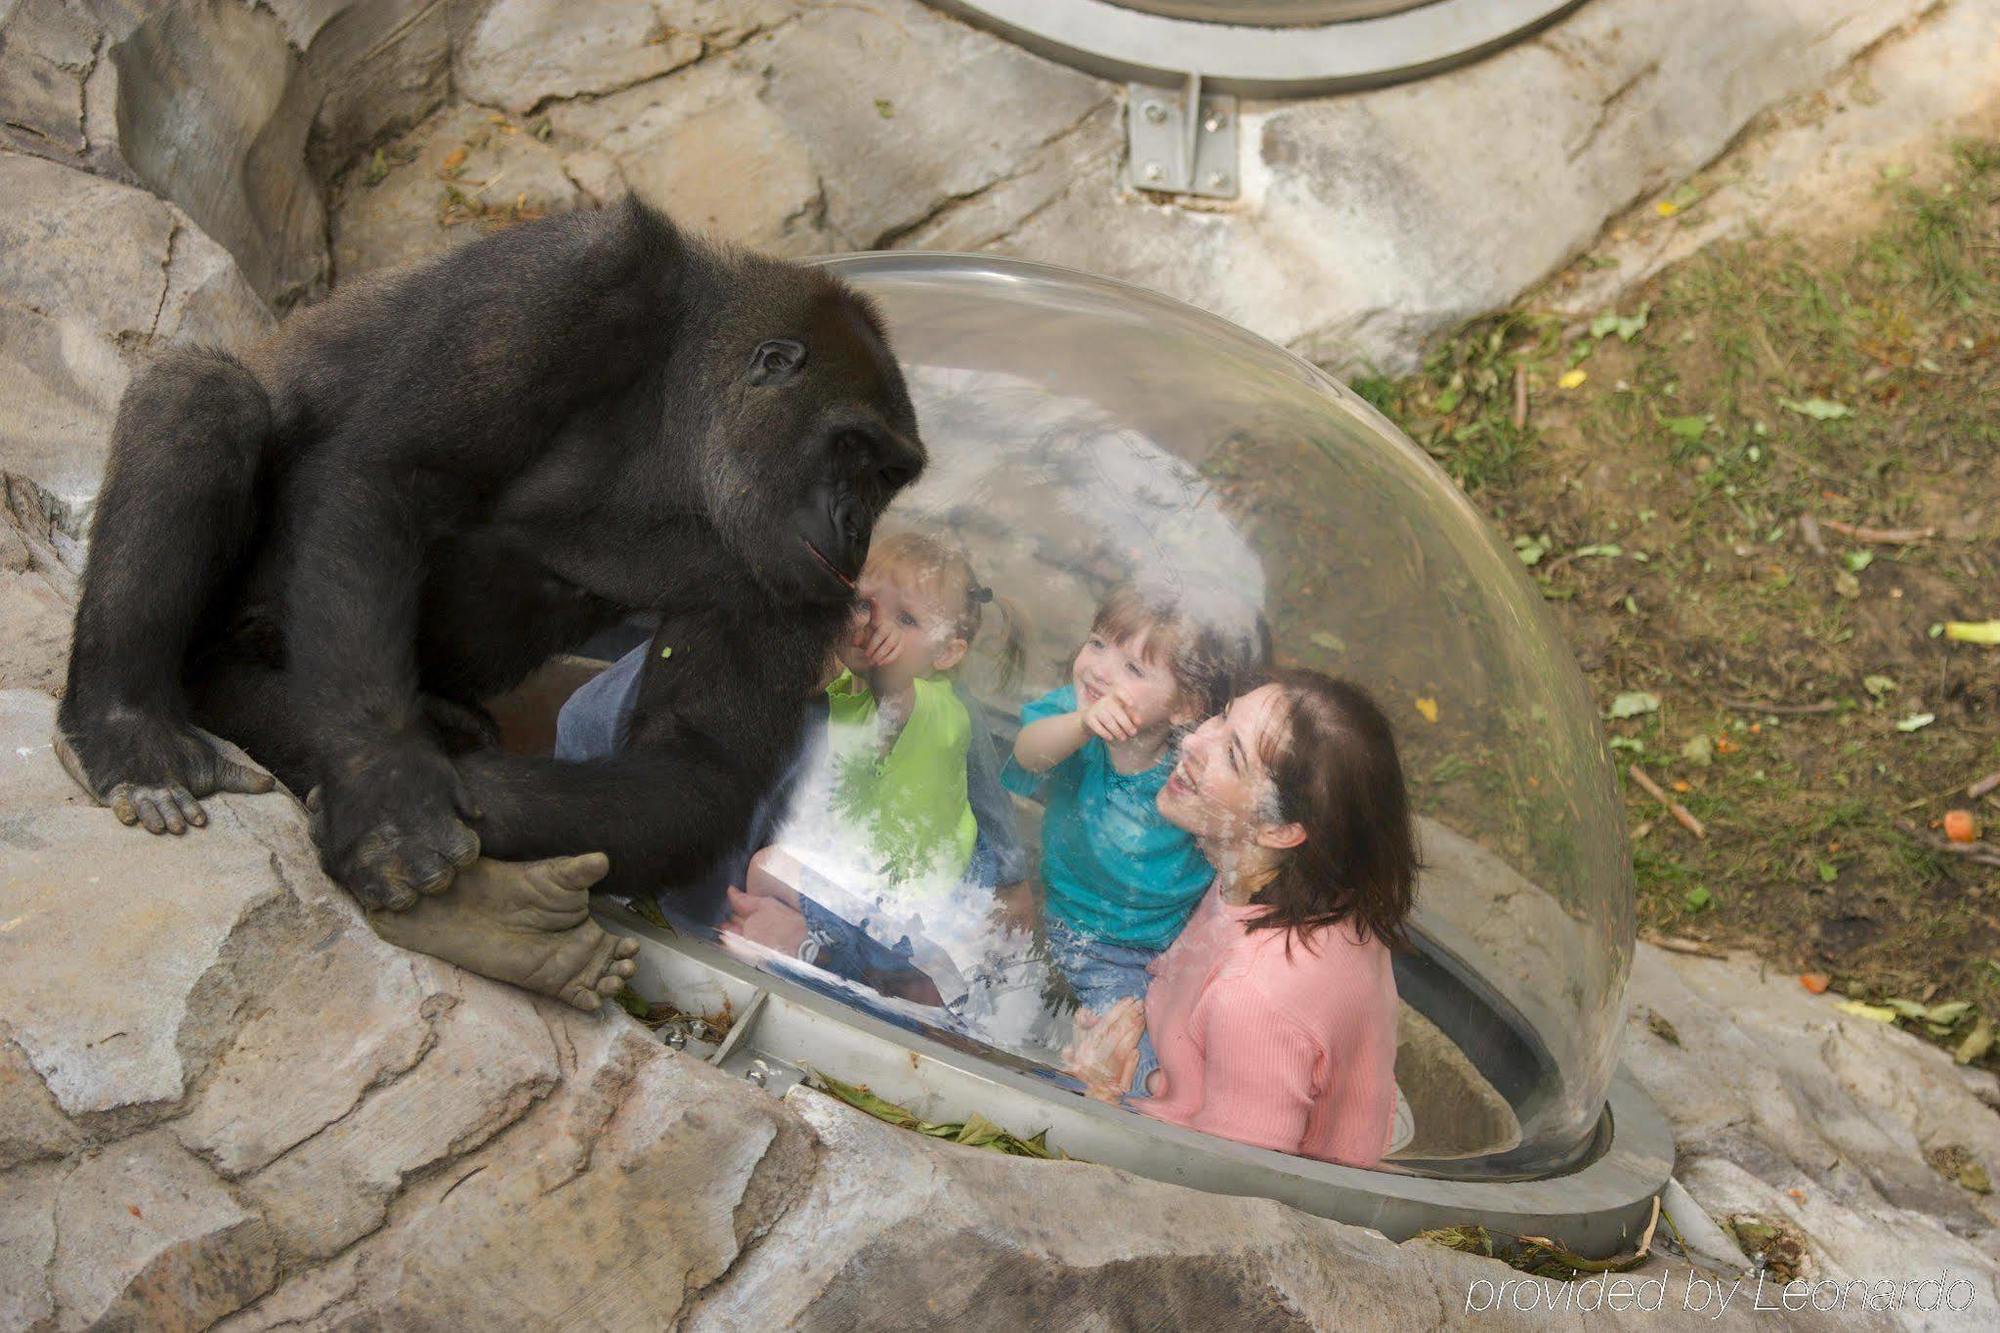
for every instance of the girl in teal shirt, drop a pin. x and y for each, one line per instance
(1118, 880)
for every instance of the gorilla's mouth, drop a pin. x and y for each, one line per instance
(831, 568)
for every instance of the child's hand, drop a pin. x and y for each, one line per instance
(1104, 1054)
(883, 645)
(1110, 719)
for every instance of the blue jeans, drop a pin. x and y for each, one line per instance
(847, 950)
(1149, 1060)
(1100, 972)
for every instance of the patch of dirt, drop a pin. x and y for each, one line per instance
(1678, 490)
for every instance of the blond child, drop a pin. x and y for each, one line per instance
(907, 821)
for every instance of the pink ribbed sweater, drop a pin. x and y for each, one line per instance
(1297, 1054)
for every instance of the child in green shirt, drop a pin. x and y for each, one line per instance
(898, 736)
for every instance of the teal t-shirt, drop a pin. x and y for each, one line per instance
(1112, 865)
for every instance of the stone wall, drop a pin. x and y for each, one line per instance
(224, 1102)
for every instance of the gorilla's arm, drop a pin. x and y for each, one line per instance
(718, 717)
(353, 635)
(478, 362)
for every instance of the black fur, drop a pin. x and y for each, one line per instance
(330, 550)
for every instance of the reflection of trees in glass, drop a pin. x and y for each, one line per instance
(1056, 503)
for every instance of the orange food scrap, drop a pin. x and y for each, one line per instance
(1682, 784)
(1960, 826)
(455, 158)
(1723, 745)
(1799, 1195)
(1816, 982)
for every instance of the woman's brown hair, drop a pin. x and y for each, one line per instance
(1333, 764)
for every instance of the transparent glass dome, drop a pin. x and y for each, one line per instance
(1084, 433)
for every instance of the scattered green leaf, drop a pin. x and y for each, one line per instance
(1697, 898)
(1949, 1012)
(1634, 702)
(1977, 1042)
(1625, 326)
(1973, 631)
(1819, 409)
(976, 1131)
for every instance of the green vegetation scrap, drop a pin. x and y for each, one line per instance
(1754, 495)
(975, 1132)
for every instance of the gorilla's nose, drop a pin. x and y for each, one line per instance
(850, 522)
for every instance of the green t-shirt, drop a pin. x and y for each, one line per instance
(913, 799)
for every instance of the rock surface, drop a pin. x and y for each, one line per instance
(1367, 221)
(95, 276)
(1815, 162)
(223, 1099)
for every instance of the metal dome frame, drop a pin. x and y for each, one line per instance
(1269, 58)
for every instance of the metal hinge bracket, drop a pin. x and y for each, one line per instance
(1181, 143)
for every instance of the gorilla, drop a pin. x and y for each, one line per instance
(329, 550)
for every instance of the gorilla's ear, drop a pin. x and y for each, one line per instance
(777, 361)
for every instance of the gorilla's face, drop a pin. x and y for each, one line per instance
(819, 437)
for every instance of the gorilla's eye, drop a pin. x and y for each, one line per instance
(777, 361)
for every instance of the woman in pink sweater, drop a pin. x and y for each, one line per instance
(1272, 1019)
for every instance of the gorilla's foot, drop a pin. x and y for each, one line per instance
(527, 923)
(151, 770)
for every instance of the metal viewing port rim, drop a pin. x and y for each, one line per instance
(1262, 51)
(782, 1028)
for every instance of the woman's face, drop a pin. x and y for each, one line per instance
(1220, 791)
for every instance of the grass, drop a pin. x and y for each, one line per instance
(1757, 389)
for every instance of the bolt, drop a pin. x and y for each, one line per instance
(1156, 113)
(757, 1074)
(677, 1040)
(1216, 120)
(1154, 171)
(1218, 180)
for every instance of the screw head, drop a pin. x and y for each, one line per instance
(1154, 171)
(757, 1074)
(1216, 120)
(1218, 180)
(1156, 113)
(677, 1040)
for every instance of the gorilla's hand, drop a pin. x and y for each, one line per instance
(393, 823)
(149, 769)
